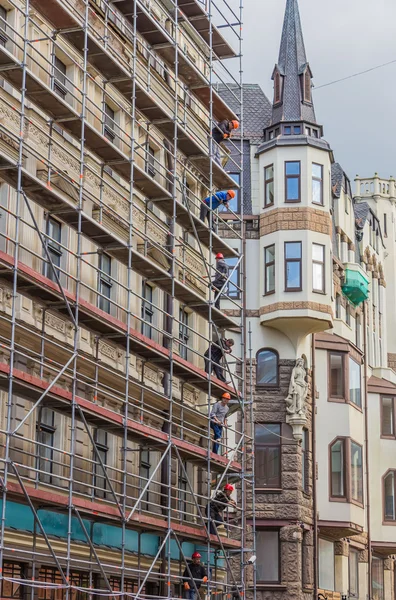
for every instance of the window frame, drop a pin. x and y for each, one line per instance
(109, 122)
(184, 335)
(355, 552)
(97, 474)
(268, 385)
(287, 177)
(293, 260)
(54, 248)
(331, 397)
(12, 570)
(372, 594)
(351, 358)
(45, 475)
(277, 88)
(346, 472)
(388, 436)
(146, 466)
(147, 309)
(266, 183)
(272, 530)
(150, 161)
(233, 288)
(3, 27)
(386, 521)
(258, 447)
(323, 265)
(104, 283)
(59, 77)
(268, 265)
(320, 180)
(234, 201)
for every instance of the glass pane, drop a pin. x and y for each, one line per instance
(326, 565)
(356, 472)
(293, 250)
(270, 279)
(293, 275)
(389, 487)
(337, 469)
(269, 193)
(388, 425)
(317, 277)
(267, 368)
(267, 433)
(317, 171)
(269, 172)
(377, 579)
(292, 168)
(318, 252)
(268, 556)
(292, 188)
(267, 466)
(353, 573)
(354, 382)
(270, 254)
(336, 376)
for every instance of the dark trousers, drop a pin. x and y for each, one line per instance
(215, 519)
(218, 370)
(218, 432)
(217, 287)
(204, 213)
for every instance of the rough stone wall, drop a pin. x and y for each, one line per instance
(292, 507)
(392, 361)
(295, 218)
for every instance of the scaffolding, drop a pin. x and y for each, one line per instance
(106, 306)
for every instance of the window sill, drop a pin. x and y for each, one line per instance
(268, 294)
(319, 292)
(271, 586)
(268, 490)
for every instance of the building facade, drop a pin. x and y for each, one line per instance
(106, 462)
(320, 350)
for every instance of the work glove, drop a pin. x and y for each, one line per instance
(186, 586)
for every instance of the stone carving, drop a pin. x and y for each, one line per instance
(54, 322)
(107, 350)
(298, 390)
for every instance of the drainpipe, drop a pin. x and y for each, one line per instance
(314, 499)
(366, 444)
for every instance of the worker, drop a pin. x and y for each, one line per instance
(194, 573)
(217, 505)
(220, 133)
(220, 278)
(213, 202)
(216, 354)
(218, 419)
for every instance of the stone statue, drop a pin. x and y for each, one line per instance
(298, 390)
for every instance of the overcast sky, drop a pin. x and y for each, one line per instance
(342, 37)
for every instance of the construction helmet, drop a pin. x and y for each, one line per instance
(226, 396)
(196, 555)
(235, 124)
(231, 193)
(219, 255)
(228, 487)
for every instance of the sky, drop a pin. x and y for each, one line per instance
(342, 37)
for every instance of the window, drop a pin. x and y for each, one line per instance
(46, 440)
(388, 416)
(336, 375)
(150, 161)
(9, 588)
(145, 468)
(183, 485)
(269, 269)
(233, 281)
(390, 496)
(353, 570)
(354, 383)
(307, 86)
(337, 462)
(104, 283)
(268, 186)
(268, 556)
(80, 582)
(267, 368)
(268, 455)
(305, 461)
(129, 587)
(108, 125)
(234, 203)
(317, 184)
(99, 479)
(356, 472)
(54, 232)
(318, 268)
(326, 565)
(184, 335)
(293, 266)
(346, 468)
(292, 182)
(59, 80)
(3, 26)
(377, 578)
(147, 310)
(287, 130)
(277, 88)
(348, 314)
(297, 130)
(385, 225)
(358, 327)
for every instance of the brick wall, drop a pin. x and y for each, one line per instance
(294, 218)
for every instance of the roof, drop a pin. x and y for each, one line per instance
(337, 176)
(292, 62)
(256, 107)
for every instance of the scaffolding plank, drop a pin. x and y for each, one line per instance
(221, 110)
(220, 178)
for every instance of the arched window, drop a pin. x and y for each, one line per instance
(267, 368)
(277, 88)
(390, 496)
(307, 86)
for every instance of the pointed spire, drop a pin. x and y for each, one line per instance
(292, 75)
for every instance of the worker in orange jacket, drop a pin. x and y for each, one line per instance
(196, 574)
(220, 133)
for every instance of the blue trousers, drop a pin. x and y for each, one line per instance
(218, 432)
